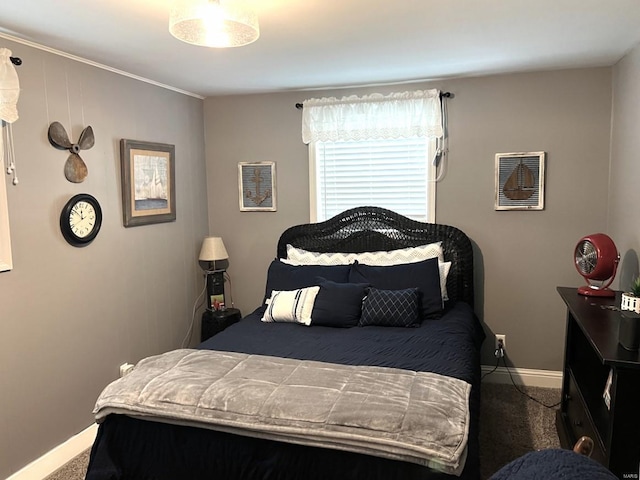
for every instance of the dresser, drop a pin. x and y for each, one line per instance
(593, 358)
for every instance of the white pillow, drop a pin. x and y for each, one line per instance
(444, 268)
(299, 256)
(291, 305)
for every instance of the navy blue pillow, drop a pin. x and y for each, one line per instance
(282, 276)
(338, 304)
(425, 276)
(391, 308)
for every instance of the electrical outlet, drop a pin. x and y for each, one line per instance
(502, 338)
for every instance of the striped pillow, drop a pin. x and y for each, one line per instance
(293, 306)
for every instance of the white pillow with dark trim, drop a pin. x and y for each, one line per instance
(294, 306)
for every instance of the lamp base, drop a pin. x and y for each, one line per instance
(590, 291)
(215, 290)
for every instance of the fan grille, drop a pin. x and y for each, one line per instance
(586, 257)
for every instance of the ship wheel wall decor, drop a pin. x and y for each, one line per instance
(520, 181)
(75, 170)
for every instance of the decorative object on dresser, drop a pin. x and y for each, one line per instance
(601, 384)
(81, 219)
(596, 259)
(214, 261)
(148, 182)
(629, 335)
(631, 299)
(257, 186)
(629, 331)
(520, 181)
(75, 170)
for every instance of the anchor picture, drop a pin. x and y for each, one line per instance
(257, 186)
(520, 181)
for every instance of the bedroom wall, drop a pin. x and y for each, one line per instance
(70, 316)
(520, 256)
(624, 195)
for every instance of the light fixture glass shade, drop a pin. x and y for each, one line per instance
(213, 23)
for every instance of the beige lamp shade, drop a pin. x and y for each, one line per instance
(213, 23)
(212, 250)
(213, 256)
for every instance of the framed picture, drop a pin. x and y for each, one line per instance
(520, 181)
(148, 182)
(257, 186)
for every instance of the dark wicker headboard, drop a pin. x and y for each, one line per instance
(370, 229)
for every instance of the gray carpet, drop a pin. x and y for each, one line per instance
(510, 426)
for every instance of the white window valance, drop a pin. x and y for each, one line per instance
(399, 115)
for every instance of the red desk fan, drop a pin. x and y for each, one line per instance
(597, 258)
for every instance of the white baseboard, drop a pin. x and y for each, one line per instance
(58, 456)
(523, 376)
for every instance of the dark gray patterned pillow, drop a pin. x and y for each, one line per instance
(390, 308)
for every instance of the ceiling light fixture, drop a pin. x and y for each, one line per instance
(213, 23)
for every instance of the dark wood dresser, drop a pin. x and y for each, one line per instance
(592, 356)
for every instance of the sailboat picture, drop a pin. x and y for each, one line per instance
(148, 182)
(520, 181)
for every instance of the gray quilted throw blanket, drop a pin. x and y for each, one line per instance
(404, 415)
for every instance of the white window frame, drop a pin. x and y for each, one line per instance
(430, 208)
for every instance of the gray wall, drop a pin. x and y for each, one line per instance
(624, 194)
(520, 256)
(70, 316)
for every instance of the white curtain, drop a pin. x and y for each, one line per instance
(399, 115)
(9, 93)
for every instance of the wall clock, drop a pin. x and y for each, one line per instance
(80, 220)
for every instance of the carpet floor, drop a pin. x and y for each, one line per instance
(510, 426)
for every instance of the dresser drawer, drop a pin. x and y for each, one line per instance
(579, 421)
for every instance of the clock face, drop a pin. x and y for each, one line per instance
(80, 220)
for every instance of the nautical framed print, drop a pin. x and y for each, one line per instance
(148, 182)
(520, 181)
(257, 186)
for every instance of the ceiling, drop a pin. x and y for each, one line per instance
(307, 44)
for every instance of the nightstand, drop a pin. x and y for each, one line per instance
(592, 357)
(215, 321)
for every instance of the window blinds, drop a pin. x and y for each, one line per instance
(389, 173)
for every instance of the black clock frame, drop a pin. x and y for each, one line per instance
(65, 227)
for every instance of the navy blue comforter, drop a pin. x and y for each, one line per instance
(447, 346)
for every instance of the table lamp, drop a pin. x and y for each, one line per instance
(214, 260)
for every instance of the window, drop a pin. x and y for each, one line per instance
(374, 151)
(391, 173)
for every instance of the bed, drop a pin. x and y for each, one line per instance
(381, 315)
